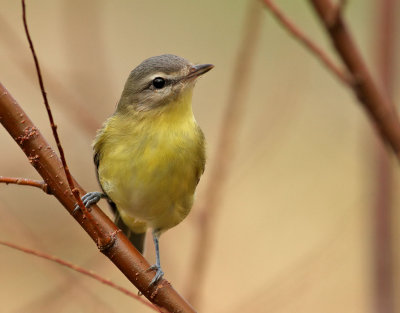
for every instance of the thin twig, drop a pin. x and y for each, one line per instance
(69, 281)
(307, 42)
(376, 103)
(26, 182)
(71, 184)
(78, 269)
(72, 103)
(46, 102)
(225, 152)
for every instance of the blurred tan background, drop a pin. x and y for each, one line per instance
(293, 231)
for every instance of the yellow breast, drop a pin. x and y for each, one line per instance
(150, 165)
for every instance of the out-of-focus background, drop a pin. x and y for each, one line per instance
(294, 229)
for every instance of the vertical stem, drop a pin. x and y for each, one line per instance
(382, 211)
(376, 102)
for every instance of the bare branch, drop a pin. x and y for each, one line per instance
(376, 103)
(102, 240)
(383, 256)
(26, 182)
(307, 42)
(53, 126)
(72, 103)
(78, 269)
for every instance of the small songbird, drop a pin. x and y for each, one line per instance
(150, 153)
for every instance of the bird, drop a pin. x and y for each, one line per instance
(150, 153)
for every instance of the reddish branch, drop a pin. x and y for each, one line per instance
(71, 185)
(46, 102)
(307, 42)
(27, 182)
(380, 109)
(376, 103)
(80, 270)
(120, 251)
(71, 102)
(103, 240)
(383, 215)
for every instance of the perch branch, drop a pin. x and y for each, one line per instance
(79, 270)
(120, 251)
(26, 182)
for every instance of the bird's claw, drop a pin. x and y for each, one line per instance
(89, 199)
(159, 274)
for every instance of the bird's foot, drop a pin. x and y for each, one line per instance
(89, 199)
(159, 274)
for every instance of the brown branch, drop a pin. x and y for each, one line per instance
(225, 152)
(46, 102)
(307, 42)
(120, 251)
(383, 214)
(26, 182)
(376, 103)
(52, 124)
(78, 269)
(102, 240)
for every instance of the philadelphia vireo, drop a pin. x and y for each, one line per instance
(150, 153)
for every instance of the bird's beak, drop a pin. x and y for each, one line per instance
(198, 70)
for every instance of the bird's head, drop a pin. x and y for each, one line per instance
(160, 81)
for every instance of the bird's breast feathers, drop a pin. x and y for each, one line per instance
(150, 169)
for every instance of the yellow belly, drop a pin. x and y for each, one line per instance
(151, 173)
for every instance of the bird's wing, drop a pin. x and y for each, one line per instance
(137, 239)
(201, 155)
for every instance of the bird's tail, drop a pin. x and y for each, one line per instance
(137, 239)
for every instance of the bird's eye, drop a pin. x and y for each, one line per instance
(158, 82)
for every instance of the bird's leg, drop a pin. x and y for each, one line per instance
(157, 266)
(90, 198)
